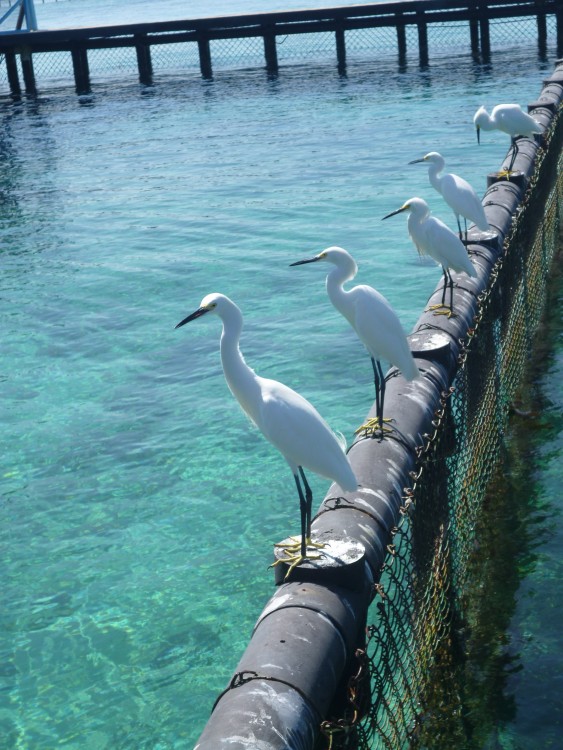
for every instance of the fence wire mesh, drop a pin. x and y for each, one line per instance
(407, 690)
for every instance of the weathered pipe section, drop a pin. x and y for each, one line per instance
(303, 644)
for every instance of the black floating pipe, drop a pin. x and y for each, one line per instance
(303, 643)
(285, 674)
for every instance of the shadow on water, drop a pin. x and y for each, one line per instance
(486, 667)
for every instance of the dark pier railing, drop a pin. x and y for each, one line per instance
(269, 26)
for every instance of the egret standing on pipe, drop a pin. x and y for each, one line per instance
(457, 192)
(432, 237)
(510, 119)
(373, 319)
(283, 416)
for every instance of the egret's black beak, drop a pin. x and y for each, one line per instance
(478, 135)
(302, 262)
(398, 211)
(416, 161)
(197, 314)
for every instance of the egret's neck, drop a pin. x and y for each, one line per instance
(486, 122)
(434, 176)
(415, 219)
(240, 378)
(335, 281)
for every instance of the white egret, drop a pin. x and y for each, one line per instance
(432, 237)
(373, 319)
(283, 416)
(510, 119)
(457, 192)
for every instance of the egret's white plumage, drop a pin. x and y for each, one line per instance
(371, 316)
(510, 119)
(432, 237)
(283, 416)
(456, 191)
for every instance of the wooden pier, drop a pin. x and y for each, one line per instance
(142, 37)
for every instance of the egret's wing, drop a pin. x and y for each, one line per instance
(298, 431)
(463, 199)
(381, 332)
(429, 237)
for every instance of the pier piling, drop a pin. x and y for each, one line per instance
(144, 61)
(422, 39)
(81, 69)
(340, 48)
(204, 57)
(270, 50)
(27, 71)
(13, 76)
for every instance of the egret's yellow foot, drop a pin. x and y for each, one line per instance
(289, 548)
(372, 425)
(296, 558)
(505, 173)
(292, 549)
(442, 310)
(294, 561)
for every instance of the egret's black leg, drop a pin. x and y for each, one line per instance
(442, 308)
(303, 508)
(459, 227)
(309, 501)
(381, 394)
(377, 384)
(376, 422)
(514, 154)
(465, 221)
(451, 286)
(445, 270)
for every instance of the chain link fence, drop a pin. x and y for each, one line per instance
(406, 691)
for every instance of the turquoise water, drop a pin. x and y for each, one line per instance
(138, 507)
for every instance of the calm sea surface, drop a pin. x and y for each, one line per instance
(137, 507)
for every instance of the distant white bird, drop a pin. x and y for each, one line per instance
(510, 119)
(456, 191)
(283, 416)
(373, 319)
(432, 237)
